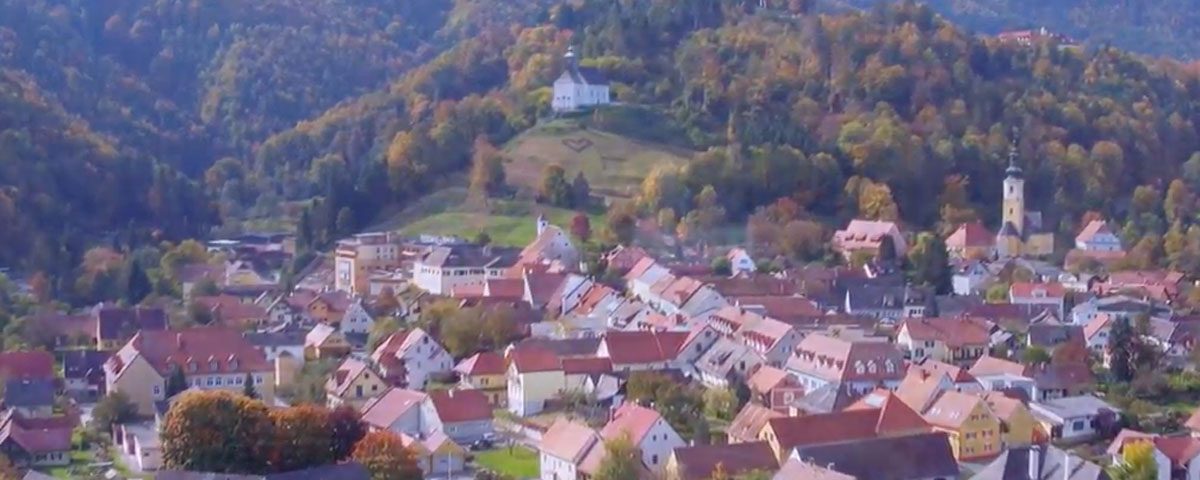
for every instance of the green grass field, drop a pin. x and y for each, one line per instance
(520, 463)
(506, 221)
(613, 165)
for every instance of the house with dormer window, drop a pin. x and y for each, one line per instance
(858, 365)
(210, 358)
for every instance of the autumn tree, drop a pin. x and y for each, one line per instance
(487, 169)
(581, 227)
(622, 223)
(302, 438)
(217, 431)
(345, 430)
(621, 460)
(384, 455)
(1137, 463)
(7, 470)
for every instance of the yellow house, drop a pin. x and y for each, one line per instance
(210, 358)
(485, 372)
(353, 383)
(1017, 424)
(973, 428)
(534, 376)
(325, 341)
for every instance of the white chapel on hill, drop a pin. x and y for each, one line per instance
(579, 87)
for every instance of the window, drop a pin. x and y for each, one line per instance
(1078, 425)
(654, 459)
(157, 390)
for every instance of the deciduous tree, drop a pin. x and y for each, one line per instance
(302, 438)
(621, 460)
(217, 431)
(345, 430)
(386, 457)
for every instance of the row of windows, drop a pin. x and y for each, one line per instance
(214, 382)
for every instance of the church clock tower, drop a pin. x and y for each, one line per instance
(1014, 194)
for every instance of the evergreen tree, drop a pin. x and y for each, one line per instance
(887, 250)
(135, 284)
(554, 189)
(248, 387)
(176, 382)
(1120, 358)
(581, 191)
(931, 263)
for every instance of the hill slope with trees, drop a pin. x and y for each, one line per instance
(889, 113)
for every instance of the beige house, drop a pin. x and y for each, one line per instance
(357, 257)
(210, 359)
(353, 383)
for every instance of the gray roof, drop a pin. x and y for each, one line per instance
(1008, 230)
(885, 297)
(276, 339)
(1014, 464)
(28, 393)
(1047, 335)
(723, 358)
(566, 347)
(828, 398)
(1077, 406)
(895, 458)
(81, 363)
(468, 256)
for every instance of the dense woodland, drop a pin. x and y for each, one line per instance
(131, 121)
(1156, 27)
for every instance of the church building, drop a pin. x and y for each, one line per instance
(1021, 232)
(579, 87)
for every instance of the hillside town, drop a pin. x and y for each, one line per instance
(556, 356)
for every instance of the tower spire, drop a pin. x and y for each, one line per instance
(1013, 170)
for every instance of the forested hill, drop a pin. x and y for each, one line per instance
(365, 103)
(1155, 27)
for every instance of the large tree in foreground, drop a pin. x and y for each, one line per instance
(217, 431)
(621, 460)
(386, 457)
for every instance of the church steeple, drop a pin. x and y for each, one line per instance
(1013, 216)
(572, 60)
(1013, 170)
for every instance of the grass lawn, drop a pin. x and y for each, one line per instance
(613, 164)
(78, 466)
(520, 463)
(507, 222)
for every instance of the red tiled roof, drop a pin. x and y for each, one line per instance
(954, 332)
(767, 378)
(931, 367)
(529, 360)
(483, 363)
(568, 440)
(969, 235)
(749, 422)
(699, 462)
(1093, 228)
(341, 379)
(201, 347)
(382, 411)
(952, 409)
(27, 365)
(844, 426)
(586, 365)
(837, 359)
(988, 365)
(632, 420)
(625, 348)
(1193, 421)
(38, 435)
(1037, 290)
(455, 406)
(894, 415)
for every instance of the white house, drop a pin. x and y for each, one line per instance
(1074, 418)
(647, 430)
(971, 278)
(1097, 237)
(579, 87)
(445, 268)
(356, 319)
(740, 261)
(563, 447)
(411, 357)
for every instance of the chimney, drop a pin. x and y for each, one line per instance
(1034, 465)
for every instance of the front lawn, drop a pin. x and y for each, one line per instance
(515, 461)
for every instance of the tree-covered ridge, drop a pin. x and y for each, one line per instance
(59, 179)
(1156, 27)
(893, 110)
